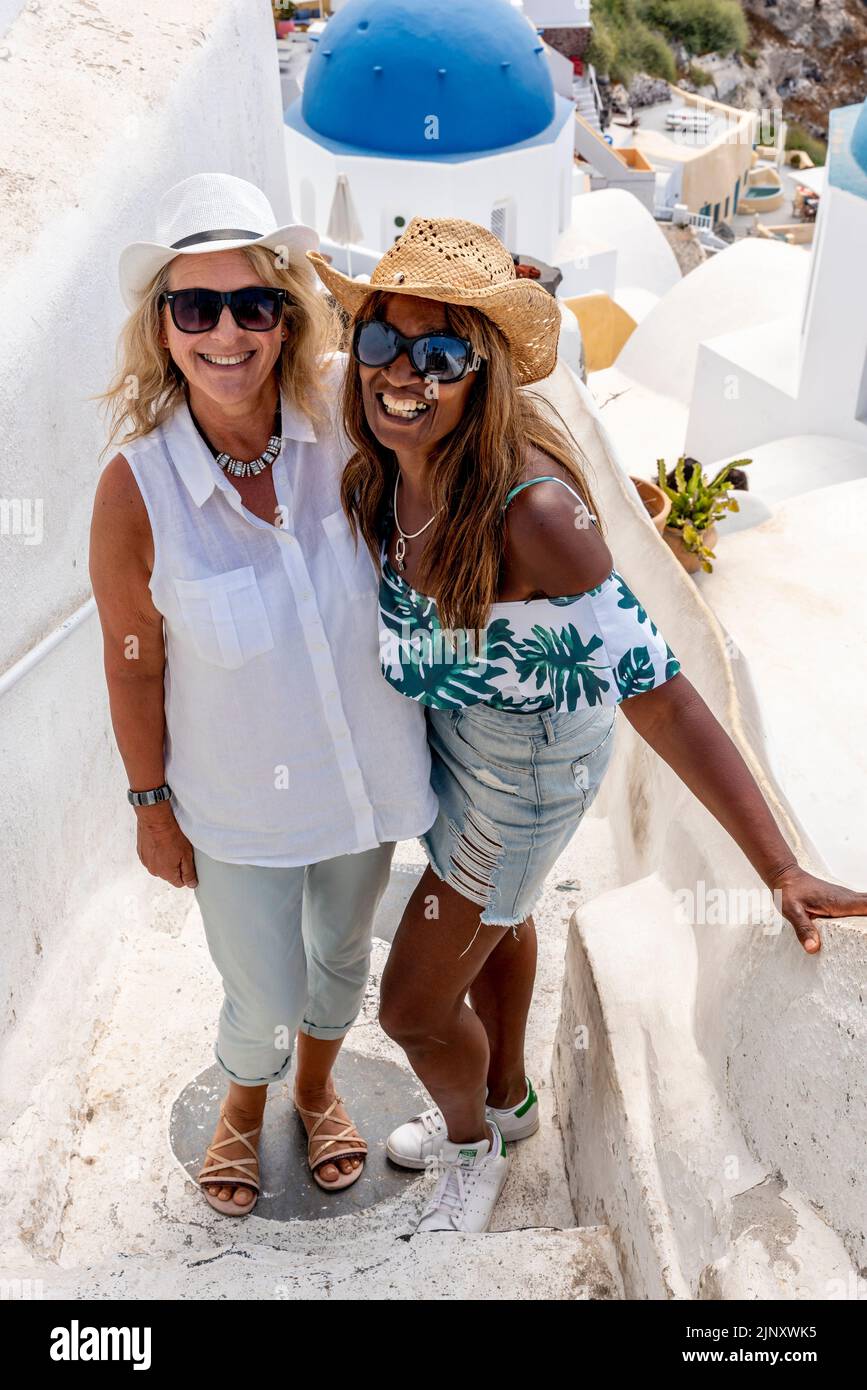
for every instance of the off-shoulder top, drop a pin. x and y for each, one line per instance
(594, 648)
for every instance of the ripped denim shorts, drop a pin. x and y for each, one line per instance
(512, 789)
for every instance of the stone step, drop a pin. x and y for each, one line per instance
(585, 104)
(537, 1263)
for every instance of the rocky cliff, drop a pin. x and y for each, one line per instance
(810, 54)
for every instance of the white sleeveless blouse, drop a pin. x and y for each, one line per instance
(284, 745)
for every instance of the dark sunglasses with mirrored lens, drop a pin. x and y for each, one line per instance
(258, 308)
(440, 355)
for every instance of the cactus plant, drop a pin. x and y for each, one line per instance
(697, 503)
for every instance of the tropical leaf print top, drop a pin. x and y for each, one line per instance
(594, 648)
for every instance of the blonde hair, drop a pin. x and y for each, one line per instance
(471, 471)
(147, 385)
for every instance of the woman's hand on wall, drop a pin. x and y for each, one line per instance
(680, 727)
(802, 897)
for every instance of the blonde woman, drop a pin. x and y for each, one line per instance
(502, 613)
(241, 655)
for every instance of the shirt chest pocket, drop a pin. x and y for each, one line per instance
(357, 571)
(225, 616)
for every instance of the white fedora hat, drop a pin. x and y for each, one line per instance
(207, 212)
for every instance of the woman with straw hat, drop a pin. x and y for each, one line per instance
(502, 613)
(241, 656)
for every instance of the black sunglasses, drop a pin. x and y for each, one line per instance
(440, 355)
(258, 308)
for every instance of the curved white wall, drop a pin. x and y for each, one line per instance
(613, 217)
(751, 283)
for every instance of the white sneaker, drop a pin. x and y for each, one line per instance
(417, 1143)
(466, 1193)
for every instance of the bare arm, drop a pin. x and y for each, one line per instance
(134, 658)
(675, 721)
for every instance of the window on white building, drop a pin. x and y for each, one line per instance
(502, 221)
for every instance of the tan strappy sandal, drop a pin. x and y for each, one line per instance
(327, 1149)
(225, 1165)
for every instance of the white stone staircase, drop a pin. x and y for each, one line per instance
(585, 102)
(100, 1206)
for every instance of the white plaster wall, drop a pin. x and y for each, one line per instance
(537, 180)
(149, 94)
(586, 268)
(640, 185)
(750, 388)
(695, 1080)
(835, 334)
(801, 375)
(751, 283)
(618, 219)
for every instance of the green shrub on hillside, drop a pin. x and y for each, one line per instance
(632, 36)
(622, 44)
(702, 26)
(653, 55)
(698, 77)
(797, 138)
(603, 50)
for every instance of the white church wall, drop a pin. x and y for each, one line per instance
(528, 183)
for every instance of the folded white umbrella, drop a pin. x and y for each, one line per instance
(344, 228)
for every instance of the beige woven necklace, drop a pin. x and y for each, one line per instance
(404, 536)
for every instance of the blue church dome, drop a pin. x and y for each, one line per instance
(428, 78)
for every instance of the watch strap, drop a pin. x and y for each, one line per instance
(149, 798)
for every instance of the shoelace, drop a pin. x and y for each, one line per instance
(429, 1121)
(449, 1196)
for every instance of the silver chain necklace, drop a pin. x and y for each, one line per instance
(239, 468)
(404, 536)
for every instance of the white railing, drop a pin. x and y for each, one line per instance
(664, 212)
(591, 73)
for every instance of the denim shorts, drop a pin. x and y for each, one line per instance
(512, 789)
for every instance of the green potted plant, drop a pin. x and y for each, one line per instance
(696, 504)
(656, 504)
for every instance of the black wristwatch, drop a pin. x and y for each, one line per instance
(149, 798)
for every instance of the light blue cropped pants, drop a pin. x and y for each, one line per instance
(293, 949)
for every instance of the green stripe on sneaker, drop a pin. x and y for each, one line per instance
(531, 1100)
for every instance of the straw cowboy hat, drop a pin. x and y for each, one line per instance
(207, 212)
(458, 262)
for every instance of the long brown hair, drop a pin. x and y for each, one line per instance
(147, 386)
(471, 471)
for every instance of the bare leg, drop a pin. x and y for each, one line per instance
(244, 1107)
(433, 962)
(314, 1089)
(501, 995)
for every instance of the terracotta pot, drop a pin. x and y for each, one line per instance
(688, 558)
(657, 504)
